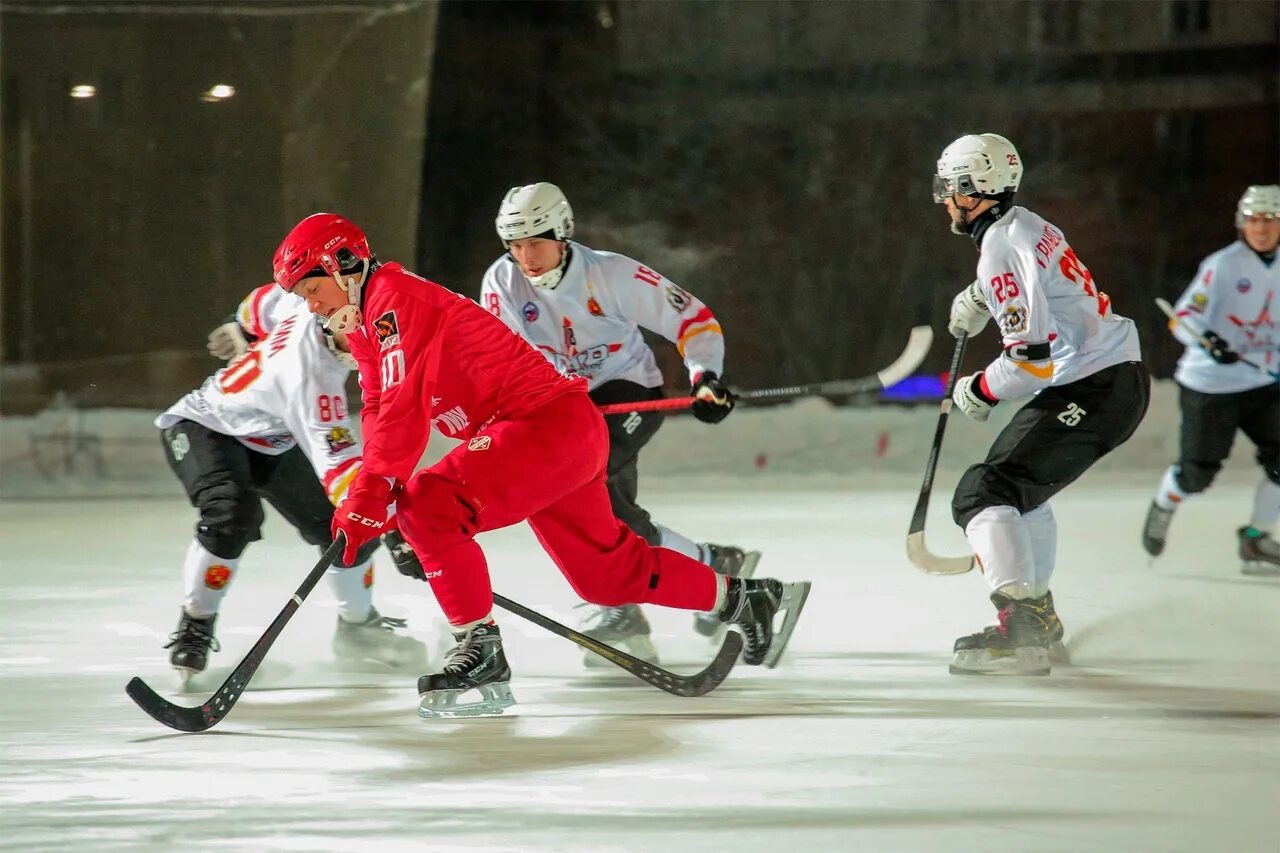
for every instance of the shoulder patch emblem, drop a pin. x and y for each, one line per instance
(339, 439)
(480, 442)
(387, 330)
(1013, 321)
(677, 297)
(1198, 302)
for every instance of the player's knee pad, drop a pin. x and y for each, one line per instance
(983, 486)
(1193, 477)
(435, 515)
(230, 518)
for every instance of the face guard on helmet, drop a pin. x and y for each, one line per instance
(326, 244)
(536, 210)
(1258, 200)
(983, 165)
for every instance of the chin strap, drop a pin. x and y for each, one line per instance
(348, 317)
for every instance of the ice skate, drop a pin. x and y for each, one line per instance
(191, 645)
(753, 606)
(377, 640)
(1259, 553)
(624, 628)
(730, 561)
(475, 663)
(1018, 645)
(1156, 530)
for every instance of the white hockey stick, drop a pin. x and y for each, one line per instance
(1163, 305)
(917, 552)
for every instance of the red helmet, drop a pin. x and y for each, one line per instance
(319, 241)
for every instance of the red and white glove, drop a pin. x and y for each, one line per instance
(972, 399)
(362, 516)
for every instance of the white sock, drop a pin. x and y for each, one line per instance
(206, 577)
(675, 542)
(353, 590)
(1169, 494)
(1043, 529)
(1266, 506)
(1002, 542)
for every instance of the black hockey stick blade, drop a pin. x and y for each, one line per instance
(917, 552)
(698, 684)
(209, 714)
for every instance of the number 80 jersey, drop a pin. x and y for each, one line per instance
(287, 390)
(1056, 325)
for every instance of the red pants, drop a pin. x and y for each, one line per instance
(549, 468)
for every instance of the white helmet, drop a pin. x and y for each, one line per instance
(982, 165)
(1258, 200)
(536, 210)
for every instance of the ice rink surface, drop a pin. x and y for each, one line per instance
(1162, 736)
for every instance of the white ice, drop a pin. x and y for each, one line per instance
(1162, 736)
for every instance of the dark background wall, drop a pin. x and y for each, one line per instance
(774, 157)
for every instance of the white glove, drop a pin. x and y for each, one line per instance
(969, 312)
(227, 341)
(969, 397)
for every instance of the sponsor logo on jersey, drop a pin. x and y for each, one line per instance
(217, 576)
(594, 307)
(1244, 285)
(1013, 321)
(529, 312)
(452, 422)
(270, 441)
(339, 439)
(677, 297)
(480, 442)
(387, 330)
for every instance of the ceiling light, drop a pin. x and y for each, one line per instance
(83, 90)
(220, 92)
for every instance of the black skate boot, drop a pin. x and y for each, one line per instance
(622, 627)
(191, 644)
(1053, 627)
(731, 562)
(1017, 645)
(476, 662)
(1259, 553)
(1156, 530)
(752, 605)
(377, 640)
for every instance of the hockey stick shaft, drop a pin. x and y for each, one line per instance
(1175, 317)
(209, 714)
(916, 551)
(680, 685)
(917, 348)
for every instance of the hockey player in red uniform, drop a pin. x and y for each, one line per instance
(534, 447)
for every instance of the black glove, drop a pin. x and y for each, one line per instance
(713, 401)
(1218, 349)
(402, 555)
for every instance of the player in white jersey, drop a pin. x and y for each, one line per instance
(1062, 343)
(1229, 305)
(584, 310)
(273, 424)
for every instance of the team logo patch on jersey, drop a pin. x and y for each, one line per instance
(529, 312)
(480, 442)
(387, 330)
(217, 576)
(1244, 285)
(677, 297)
(594, 307)
(339, 439)
(1199, 302)
(1014, 320)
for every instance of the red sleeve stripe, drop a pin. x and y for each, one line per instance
(337, 478)
(255, 325)
(703, 316)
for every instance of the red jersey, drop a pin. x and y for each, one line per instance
(430, 357)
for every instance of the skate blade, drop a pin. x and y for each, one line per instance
(640, 647)
(184, 679)
(1257, 569)
(1029, 660)
(794, 596)
(1058, 653)
(443, 704)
